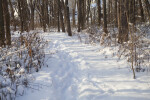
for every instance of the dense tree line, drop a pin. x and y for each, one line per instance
(61, 14)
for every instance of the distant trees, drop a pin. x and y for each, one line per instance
(120, 16)
(58, 14)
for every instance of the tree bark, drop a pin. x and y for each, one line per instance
(88, 11)
(147, 8)
(58, 15)
(132, 11)
(12, 15)
(68, 19)
(115, 14)
(79, 15)
(7, 22)
(104, 17)
(123, 23)
(65, 12)
(73, 14)
(32, 6)
(141, 11)
(99, 11)
(20, 15)
(61, 16)
(2, 33)
(83, 14)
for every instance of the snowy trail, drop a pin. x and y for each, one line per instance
(81, 72)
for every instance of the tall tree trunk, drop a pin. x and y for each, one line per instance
(61, 16)
(20, 9)
(132, 11)
(2, 33)
(44, 15)
(73, 13)
(58, 15)
(65, 12)
(68, 19)
(12, 15)
(147, 4)
(123, 23)
(7, 22)
(88, 11)
(83, 14)
(79, 15)
(32, 5)
(26, 15)
(108, 11)
(141, 11)
(115, 14)
(104, 17)
(52, 13)
(99, 11)
(111, 11)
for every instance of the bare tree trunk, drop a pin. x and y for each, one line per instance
(68, 19)
(51, 22)
(115, 14)
(88, 11)
(20, 15)
(132, 11)
(83, 14)
(99, 11)
(79, 15)
(147, 8)
(12, 14)
(73, 14)
(2, 33)
(58, 15)
(91, 16)
(7, 22)
(123, 23)
(94, 17)
(65, 12)
(104, 17)
(44, 15)
(61, 16)
(108, 11)
(32, 6)
(141, 11)
(26, 15)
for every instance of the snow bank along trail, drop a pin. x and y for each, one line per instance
(79, 71)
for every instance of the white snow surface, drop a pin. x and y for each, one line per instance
(78, 71)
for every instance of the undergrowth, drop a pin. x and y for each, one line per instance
(25, 56)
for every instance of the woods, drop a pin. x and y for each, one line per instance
(120, 24)
(51, 13)
(26, 15)
(48, 16)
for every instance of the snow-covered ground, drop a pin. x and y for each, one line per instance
(78, 71)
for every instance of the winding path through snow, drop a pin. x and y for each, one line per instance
(79, 71)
